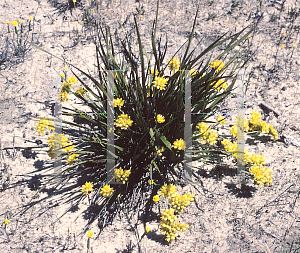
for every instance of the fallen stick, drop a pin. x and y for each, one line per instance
(267, 109)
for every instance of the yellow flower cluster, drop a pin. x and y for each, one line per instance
(156, 198)
(160, 83)
(42, 124)
(159, 151)
(66, 85)
(160, 118)
(71, 158)
(87, 187)
(167, 191)
(107, 191)
(259, 125)
(207, 135)
(156, 72)
(123, 121)
(262, 174)
(179, 203)
(67, 147)
(168, 225)
(64, 95)
(179, 144)
(173, 64)
(221, 120)
(118, 102)
(89, 233)
(121, 175)
(217, 64)
(219, 84)
(81, 91)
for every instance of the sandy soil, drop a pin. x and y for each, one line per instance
(221, 220)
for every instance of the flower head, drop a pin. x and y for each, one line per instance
(119, 102)
(156, 198)
(6, 221)
(123, 121)
(7, 22)
(179, 144)
(174, 64)
(30, 18)
(150, 181)
(221, 120)
(71, 158)
(217, 64)
(159, 83)
(156, 72)
(121, 175)
(159, 151)
(148, 229)
(81, 91)
(107, 191)
(14, 23)
(160, 118)
(87, 187)
(89, 233)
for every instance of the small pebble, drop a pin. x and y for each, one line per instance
(284, 88)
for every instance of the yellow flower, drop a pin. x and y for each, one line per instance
(74, 1)
(174, 64)
(167, 191)
(71, 158)
(107, 191)
(160, 118)
(284, 33)
(221, 120)
(81, 91)
(150, 181)
(141, 16)
(64, 96)
(89, 233)
(217, 64)
(87, 187)
(30, 18)
(121, 175)
(147, 229)
(112, 32)
(248, 36)
(6, 221)
(14, 23)
(160, 83)
(159, 151)
(179, 144)
(7, 22)
(227, 21)
(220, 84)
(156, 72)
(72, 80)
(118, 102)
(295, 46)
(123, 121)
(42, 124)
(156, 198)
(92, 10)
(283, 46)
(22, 21)
(62, 74)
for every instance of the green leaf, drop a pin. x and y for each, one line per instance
(166, 142)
